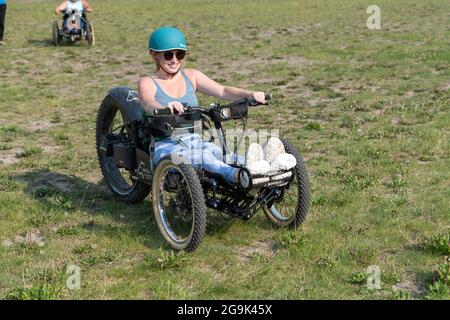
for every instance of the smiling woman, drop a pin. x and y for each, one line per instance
(172, 86)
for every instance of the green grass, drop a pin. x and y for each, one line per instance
(367, 109)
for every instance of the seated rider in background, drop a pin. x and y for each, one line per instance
(171, 85)
(69, 5)
(80, 6)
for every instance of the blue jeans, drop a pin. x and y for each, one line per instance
(198, 153)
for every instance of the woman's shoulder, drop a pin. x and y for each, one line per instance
(190, 72)
(147, 83)
(145, 79)
(194, 73)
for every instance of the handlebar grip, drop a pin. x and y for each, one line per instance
(254, 103)
(161, 112)
(166, 111)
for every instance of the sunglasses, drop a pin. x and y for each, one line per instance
(180, 54)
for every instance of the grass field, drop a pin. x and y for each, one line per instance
(368, 109)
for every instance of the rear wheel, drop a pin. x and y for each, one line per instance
(110, 118)
(292, 208)
(178, 204)
(56, 37)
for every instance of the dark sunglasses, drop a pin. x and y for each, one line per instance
(168, 55)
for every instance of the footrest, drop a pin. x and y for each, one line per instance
(277, 178)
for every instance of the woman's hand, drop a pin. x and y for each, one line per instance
(175, 106)
(259, 97)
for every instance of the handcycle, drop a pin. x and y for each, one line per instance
(181, 193)
(74, 27)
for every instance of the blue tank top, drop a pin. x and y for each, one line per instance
(189, 97)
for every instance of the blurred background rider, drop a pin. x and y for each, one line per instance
(80, 5)
(2, 20)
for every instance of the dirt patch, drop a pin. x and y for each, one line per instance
(20, 62)
(342, 89)
(395, 121)
(51, 149)
(379, 112)
(211, 272)
(297, 60)
(41, 125)
(10, 157)
(318, 101)
(408, 285)
(98, 181)
(348, 89)
(235, 65)
(263, 249)
(303, 92)
(31, 237)
(55, 180)
(269, 33)
(373, 88)
(410, 94)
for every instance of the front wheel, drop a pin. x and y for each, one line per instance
(291, 211)
(179, 204)
(56, 37)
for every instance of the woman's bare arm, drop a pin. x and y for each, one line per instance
(60, 8)
(87, 7)
(208, 86)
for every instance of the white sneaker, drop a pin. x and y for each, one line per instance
(259, 168)
(283, 162)
(2, 43)
(270, 159)
(272, 149)
(255, 154)
(255, 160)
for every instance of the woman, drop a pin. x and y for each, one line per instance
(171, 85)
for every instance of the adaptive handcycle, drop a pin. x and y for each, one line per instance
(74, 27)
(180, 192)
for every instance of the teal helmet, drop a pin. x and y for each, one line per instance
(167, 38)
